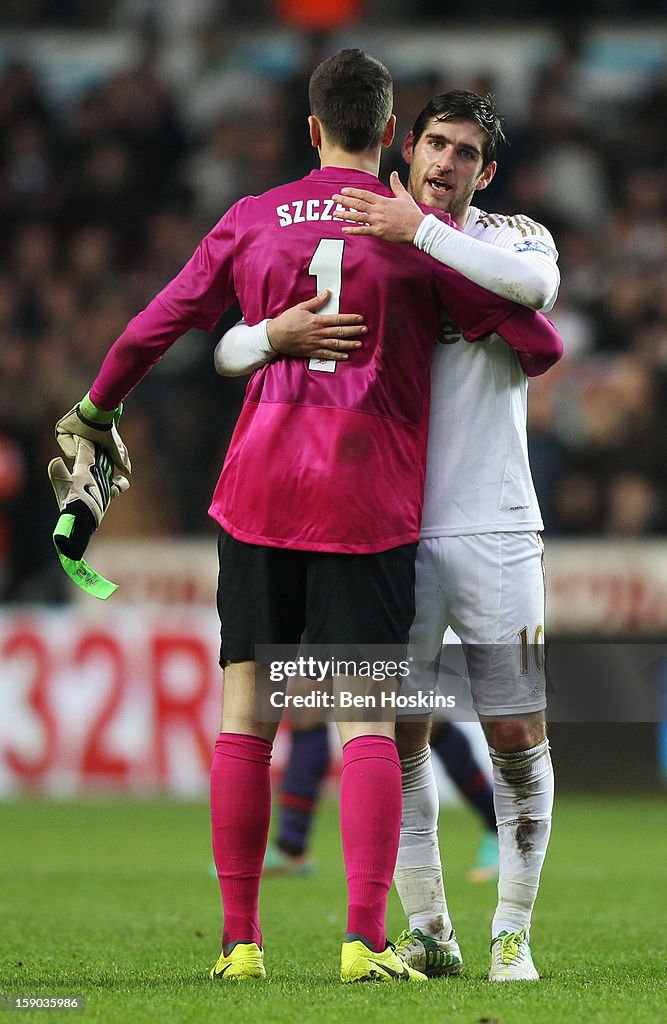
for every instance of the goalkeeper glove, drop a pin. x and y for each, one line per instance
(86, 420)
(83, 496)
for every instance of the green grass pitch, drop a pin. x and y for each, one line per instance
(114, 900)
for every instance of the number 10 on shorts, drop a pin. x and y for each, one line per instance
(536, 649)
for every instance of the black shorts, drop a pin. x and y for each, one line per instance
(273, 596)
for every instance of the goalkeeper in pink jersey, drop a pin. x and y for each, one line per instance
(479, 564)
(320, 497)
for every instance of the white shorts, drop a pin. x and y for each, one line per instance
(489, 588)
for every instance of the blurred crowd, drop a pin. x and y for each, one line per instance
(103, 198)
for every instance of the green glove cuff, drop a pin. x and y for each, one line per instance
(93, 414)
(79, 571)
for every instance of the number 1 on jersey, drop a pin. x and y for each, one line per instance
(326, 267)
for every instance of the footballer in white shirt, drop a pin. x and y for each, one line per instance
(479, 564)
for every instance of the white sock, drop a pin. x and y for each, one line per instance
(523, 794)
(418, 874)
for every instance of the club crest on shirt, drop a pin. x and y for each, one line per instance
(532, 245)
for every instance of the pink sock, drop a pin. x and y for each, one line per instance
(240, 814)
(370, 823)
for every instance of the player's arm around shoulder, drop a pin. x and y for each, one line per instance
(370, 213)
(534, 253)
(513, 257)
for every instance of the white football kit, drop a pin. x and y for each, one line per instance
(479, 563)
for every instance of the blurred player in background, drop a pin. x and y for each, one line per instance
(321, 493)
(479, 564)
(306, 770)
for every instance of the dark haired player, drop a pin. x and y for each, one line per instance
(479, 564)
(320, 497)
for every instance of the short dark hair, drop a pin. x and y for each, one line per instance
(352, 94)
(462, 105)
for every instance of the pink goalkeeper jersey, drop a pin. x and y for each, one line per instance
(325, 456)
